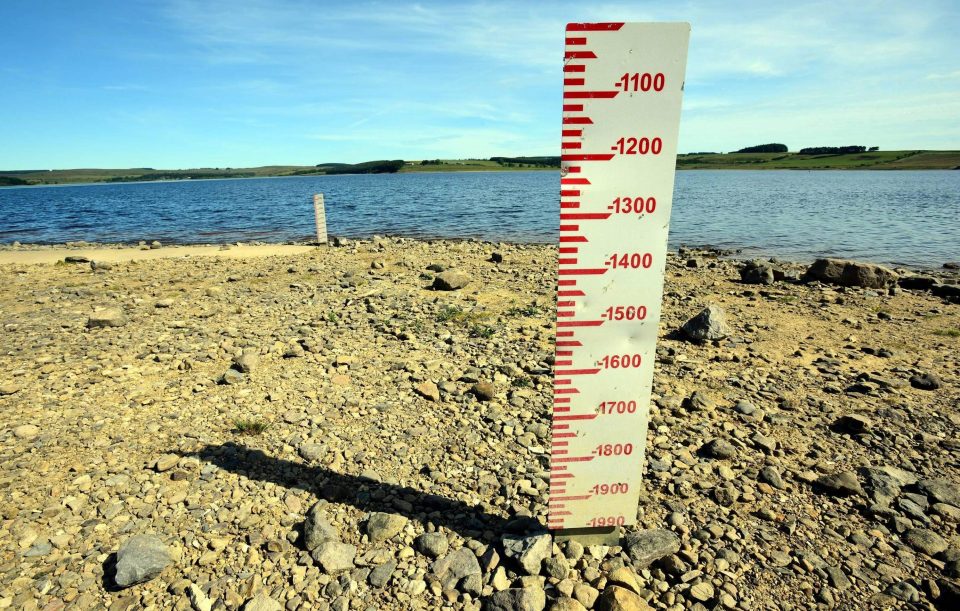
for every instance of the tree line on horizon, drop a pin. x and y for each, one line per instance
(776, 147)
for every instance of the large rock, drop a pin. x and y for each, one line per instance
(317, 528)
(756, 272)
(262, 603)
(648, 546)
(529, 552)
(850, 273)
(925, 541)
(246, 362)
(517, 599)
(109, 317)
(334, 556)
(941, 491)
(710, 324)
(840, 484)
(457, 564)
(140, 559)
(450, 281)
(615, 598)
(384, 526)
(433, 545)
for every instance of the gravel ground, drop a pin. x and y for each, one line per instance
(325, 431)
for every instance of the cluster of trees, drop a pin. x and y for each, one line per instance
(832, 150)
(765, 148)
(431, 162)
(382, 166)
(12, 181)
(537, 162)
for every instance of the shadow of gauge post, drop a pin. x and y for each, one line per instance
(367, 494)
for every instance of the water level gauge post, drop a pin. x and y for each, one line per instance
(622, 89)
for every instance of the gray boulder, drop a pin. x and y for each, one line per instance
(648, 546)
(756, 272)
(710, 324)
(450, 281)
(334, 557)
(529, 552)
(850, 273)
(140, 559)
(517, 599)
(109, 317)
(317, 528)
(384, 526)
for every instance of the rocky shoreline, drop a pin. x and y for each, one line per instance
(331, 430)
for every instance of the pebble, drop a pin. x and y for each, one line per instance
(647, 546)
(384, 526)
(334, 557)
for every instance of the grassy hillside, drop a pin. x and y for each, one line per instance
(878, 160)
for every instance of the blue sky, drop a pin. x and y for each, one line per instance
(191, 83)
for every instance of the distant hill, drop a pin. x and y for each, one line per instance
(820, 159)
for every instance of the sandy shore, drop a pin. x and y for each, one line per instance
(54, 254)
(319, 429)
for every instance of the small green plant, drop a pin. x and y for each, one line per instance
(947, 332)
(332, 316)
(449, 313)
(521, 383)
(482, 331)
(528, 310)
(250, 427)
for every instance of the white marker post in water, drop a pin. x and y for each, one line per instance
(622, 87)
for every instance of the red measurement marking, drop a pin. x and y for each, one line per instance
(584, 271)
(568, 82)
(561, 409)
(560, 444)
(566, 304)
(570, 145)
(565, 391)
(577, 41)
(569, 193)
(577, 121)
(575, 181)
(587, 157)
(567, 282)
(569, 205)
(580, 323)
(573, 169)
(565, 333)
(569, 343)
(562, 475)
(590, 95)
(570, 294)
(579, 55)
(569, 228)
(577, 417)
(570, 498)
(595, 27)
(570, 133)
(575, 459)
(577, 372)
(561, 400)
(584, 216)
(560, 452)
(575, 68)
(557, 468)
(564, 436)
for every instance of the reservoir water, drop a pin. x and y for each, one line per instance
(896, 217)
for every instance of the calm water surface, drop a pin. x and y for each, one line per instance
(902, 217)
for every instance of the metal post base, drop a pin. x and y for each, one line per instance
(589, 536)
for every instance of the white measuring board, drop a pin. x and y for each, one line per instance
(623, 83)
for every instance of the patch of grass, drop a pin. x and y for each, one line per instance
(482, 331)
(332, 316)
(250, 427)
(449, 313)
(531, 309)
(947, 332)
(521, 383)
